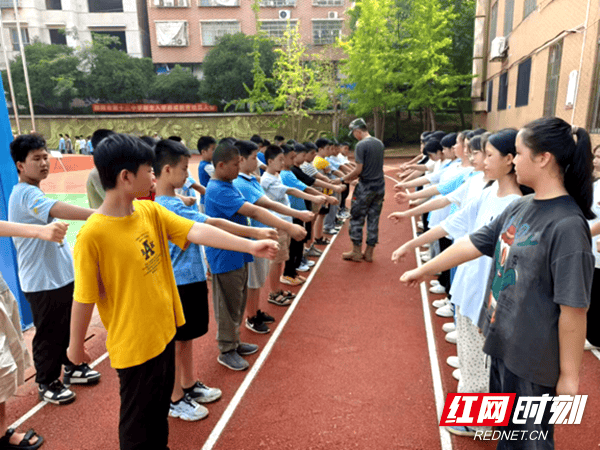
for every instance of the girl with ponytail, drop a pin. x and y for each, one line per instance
(534, 314)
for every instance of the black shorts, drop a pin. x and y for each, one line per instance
(324, 210)
(194, 299)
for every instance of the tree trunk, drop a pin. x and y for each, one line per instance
(433, 122)
(379, 121)
(335, 124)
(462, 117)
(397, 124)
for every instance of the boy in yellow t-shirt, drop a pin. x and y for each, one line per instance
(122, 264)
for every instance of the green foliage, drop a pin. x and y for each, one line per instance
(178, 86)
(53, 76)
(229, 66)
(112, 75)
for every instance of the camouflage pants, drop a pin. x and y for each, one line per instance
(367, 201)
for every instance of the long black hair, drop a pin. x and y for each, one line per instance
(554, 135)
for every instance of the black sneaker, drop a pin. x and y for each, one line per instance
(246, 349)
(264, 317)
(56, 393)
(322, 241)
(256, 325)
(81, 374)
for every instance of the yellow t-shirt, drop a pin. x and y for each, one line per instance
(130, 255)
(322, 164)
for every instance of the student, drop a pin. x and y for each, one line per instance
(46, 272)
(279, 140)
(93, 186)
(123, 266)
(262, 162)
(61, 144)
(278, 192)
(229, 268)
(170, 167)
(542, 271)
(68, 144)
(15, 356)
(258, 270)
(206, 147)
(367, 199)
(89, 146)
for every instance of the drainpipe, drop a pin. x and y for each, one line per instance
(587, 16)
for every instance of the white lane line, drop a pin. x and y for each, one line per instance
(237, 398)
(33, 411)
(438, 391)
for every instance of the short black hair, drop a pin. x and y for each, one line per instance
(266, 143)
(246, 148)
(168, 151)
(299, 148)
(225, 153)
(100, 134)
(272, 152)
(119, 152)
(291, 142)
(149, 140)
(279, 138)
(22, 145)
(287, 149)
(256, 139)
(175, 138)
(204, 142)
(322, 142)
(344, 144)
(310, 146)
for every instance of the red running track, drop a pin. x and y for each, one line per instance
(349, 370)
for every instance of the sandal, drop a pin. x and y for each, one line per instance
(288, 294)
(278, 298)
(24, 444)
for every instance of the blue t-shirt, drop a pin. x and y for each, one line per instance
(290, 180)
(223, 200)
(43, 265)
(251, 189)
(188, 265)
(205, 170)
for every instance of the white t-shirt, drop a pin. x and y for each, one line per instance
(276, 191)
(471, 189)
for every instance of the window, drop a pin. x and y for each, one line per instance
(7, 3)
(171, 3)
(509, 12)
(213, 31)
(58, 36)
(172, 33)
(523, 81)
(328, 2)
(529, 7)
(552, 79)
(219, 3)
(105, 6)
(276, 28)
(490, 93)
(120, 45)
(493, 23)
(503, 91)
(53, 4)
(276, 3)
(326, 31)
(14, 38)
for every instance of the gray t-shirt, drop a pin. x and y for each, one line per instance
(542, 260)
(369, 153)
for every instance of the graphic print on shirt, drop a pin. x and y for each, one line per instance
(148, 250)
(503, 276)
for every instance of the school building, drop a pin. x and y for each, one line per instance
(535, 58)
(184, 31)
(72, 22)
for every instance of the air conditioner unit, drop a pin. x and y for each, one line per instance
(332, 15)
(499, 49)
(285, 14)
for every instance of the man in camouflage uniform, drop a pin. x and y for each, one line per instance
(367, 199)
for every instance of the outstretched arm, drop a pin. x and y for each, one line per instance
(54, 231)
(430, 236)
(64, 211)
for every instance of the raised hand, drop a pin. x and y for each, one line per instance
(396, 217)
(265, 249)
(54, 232)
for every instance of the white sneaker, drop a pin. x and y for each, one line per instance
(420, 224)
(451, 337)
(439, 289)
(426, 245)
(445, 311)
(456, 374)
(425, 257)
(448, 327)
(452, 361)
(440, 303)
(434, 283)
(187, 409)
(303, 268)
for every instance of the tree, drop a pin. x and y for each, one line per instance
(112, 75)
(427, 71)
(296, 80)
(228, 67)
(53, 75)
(373, 64)
(178, 86)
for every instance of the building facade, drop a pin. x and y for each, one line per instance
(72, 22)
(184, 31)
(535, 58)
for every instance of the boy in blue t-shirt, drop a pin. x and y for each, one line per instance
(46, 272)
(206, 147)
(230, 270)
(170, 167)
